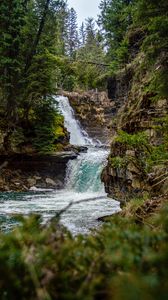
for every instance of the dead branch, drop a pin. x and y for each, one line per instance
(58, 214)
(164, 179)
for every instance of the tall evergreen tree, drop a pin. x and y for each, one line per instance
(72, 42)
(28, 33)
(82, 34)
(90, 31)
(11, 25)
(62, 31)
(115, 19)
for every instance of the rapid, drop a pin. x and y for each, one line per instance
(82, 183)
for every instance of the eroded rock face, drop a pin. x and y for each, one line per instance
(129, 171)
(25, 172)
(94, 111)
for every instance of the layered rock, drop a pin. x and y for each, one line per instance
(94, 111)
(138, 161)
(24, 172)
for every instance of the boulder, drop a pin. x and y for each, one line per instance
(37, 178)
(31, 181)
(50, 182)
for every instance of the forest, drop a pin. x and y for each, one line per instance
(124, 53)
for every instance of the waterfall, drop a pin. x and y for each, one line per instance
(82, 183)
(78, 136)
(83, 174)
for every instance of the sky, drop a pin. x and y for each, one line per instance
(85, 8)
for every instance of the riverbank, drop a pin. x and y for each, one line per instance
(142, 209)
(22, 172)
(102, 265)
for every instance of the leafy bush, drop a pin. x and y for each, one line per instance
(48, 126)
(123, 260)
(117, 162)
(137, 140)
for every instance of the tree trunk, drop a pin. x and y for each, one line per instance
(37, 38)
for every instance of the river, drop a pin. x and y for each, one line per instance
(82, 183)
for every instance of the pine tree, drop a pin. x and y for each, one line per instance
(62, 31)
(115, 20)
(73, 42)
(11, 24)
(82, 34)
(90, 31)
(91, 51)
(28, 38)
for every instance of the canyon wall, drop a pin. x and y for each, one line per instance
(94, 110)
(23, 172)
(138, 160)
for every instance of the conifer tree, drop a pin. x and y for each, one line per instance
(82, 34)
(11, 24)
(72, 42)
(115, 19)
(90, 31)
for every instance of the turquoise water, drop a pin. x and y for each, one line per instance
(82, 183)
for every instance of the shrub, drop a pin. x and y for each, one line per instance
(137, 140)
(48, 263)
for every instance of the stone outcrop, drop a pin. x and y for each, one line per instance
(133, 166)
(94, 111)
(24, 172)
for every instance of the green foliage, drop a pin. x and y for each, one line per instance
(122, 52)
(153, 17)
(12, 21)
(91, 50)
(48, 127)
(121, 18)
(29, 35)
(118, 162)
(124, 260)
(115, 19)
(137, 140)
(158, 155)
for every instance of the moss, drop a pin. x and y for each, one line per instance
(117, 162)
(137, 140)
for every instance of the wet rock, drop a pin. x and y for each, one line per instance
(25, 171)
(37, 178)
(94, 111)
(50, 182)
(6, 188)
(59, 184)
(1, 184)
(31, 182)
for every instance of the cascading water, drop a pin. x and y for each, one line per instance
(83, 174)
(82, 183)
(77, 135)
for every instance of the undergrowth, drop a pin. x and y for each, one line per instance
(124, 260)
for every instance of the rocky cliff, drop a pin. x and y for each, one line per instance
(23, 172)
(138, 161)
(94, 111)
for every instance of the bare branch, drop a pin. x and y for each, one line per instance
(58, 214)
